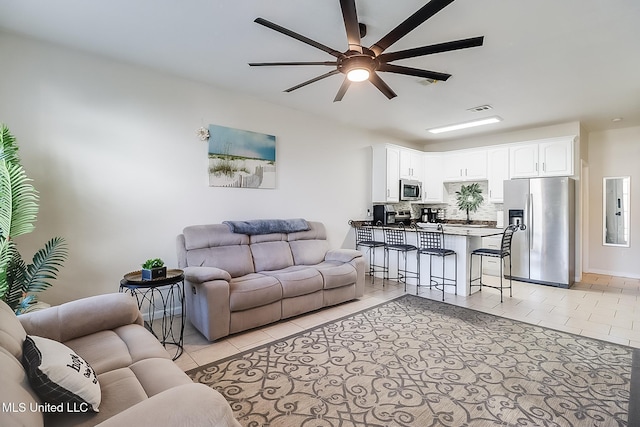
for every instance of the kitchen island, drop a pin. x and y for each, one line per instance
(461, 238)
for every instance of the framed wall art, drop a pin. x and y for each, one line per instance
(240, 158)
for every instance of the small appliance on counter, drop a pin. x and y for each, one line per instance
(429, 215)
(384, 214)
(403, 217)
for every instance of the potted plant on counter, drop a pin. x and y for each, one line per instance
(469, 198)
(153, 269)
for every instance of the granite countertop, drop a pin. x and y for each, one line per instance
(482, 229)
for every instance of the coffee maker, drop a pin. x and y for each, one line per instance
(384, 214)
(429, 215)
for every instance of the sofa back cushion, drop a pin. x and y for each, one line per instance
(309, 247)
(215, 245)
(269, 256)
(236, 260)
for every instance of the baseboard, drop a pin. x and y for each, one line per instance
(613, 273)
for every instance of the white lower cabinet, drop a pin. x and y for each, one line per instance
(490, 265)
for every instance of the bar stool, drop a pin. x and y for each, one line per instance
(395, 239)
(365, 238)
(503, 252)
(432, 243)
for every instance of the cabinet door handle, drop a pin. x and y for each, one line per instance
(465, 172)
(544, 167)
(536, 166)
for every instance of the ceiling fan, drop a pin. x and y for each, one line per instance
(360, 63)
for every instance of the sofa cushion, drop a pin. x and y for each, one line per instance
(297, 280)
(59, 376)
(253, 290)
(316, 231)
(269, 256)
(236, 259)
(211, 236)
(337, 274)
(124, 345)
(120, 390)
(308, 252)
(157, 375)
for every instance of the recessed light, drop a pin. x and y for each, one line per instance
(465, 125)
(616, 119)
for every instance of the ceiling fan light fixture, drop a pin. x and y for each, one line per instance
(358, 74)
(465, 125)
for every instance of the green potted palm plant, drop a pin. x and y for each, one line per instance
(469, 198)
(153, 268)
(19, 281)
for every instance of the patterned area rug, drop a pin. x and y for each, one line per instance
(418, 362)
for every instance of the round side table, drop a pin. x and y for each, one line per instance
(166, 293)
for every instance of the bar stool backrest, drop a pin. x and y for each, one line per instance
(364, 233)
(507, 236)
(395, 236)
(431, 239)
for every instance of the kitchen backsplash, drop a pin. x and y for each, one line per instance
(486, 212)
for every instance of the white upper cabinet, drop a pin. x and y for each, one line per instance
(498, 172)
(523, 161)
(411, 164)
(556, 157)
(549, 157)
(466, 165)
(433, 186)
(385, 182)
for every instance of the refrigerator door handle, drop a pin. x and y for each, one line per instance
(530, 220)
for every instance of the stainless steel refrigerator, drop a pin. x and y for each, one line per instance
(545, 251)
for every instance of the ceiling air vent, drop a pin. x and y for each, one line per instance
(480, 108)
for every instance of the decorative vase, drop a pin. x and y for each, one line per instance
(154, 273)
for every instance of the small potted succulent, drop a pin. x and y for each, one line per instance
(153, 269)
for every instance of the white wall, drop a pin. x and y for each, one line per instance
(614, 153)
(113, 152)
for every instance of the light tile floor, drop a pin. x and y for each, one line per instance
(601, 307)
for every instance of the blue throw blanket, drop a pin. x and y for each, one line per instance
(267, 226)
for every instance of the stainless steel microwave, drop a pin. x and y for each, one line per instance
(410, 190)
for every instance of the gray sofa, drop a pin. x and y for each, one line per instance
(139, 384)
(235, 281)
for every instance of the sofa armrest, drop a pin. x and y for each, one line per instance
(205, 274)
(342, 255)
(186, 405)
(82, 317)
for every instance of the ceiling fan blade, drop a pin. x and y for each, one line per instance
(434, 48)
(350, 18)
(313, 80)
(343, 89)
(409, 24)
(297, 36)
(382, 86)
(269, 64)
(408, 71)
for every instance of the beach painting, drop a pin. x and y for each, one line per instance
(240, 158)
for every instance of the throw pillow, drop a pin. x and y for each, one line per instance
(59, 376)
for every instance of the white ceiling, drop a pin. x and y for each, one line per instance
(543, 62)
